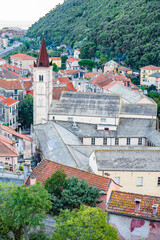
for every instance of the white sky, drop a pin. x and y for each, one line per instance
(25, 10)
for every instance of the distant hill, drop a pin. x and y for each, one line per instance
(127, 30)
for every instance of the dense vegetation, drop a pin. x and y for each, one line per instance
(70, 193)
(127, 30)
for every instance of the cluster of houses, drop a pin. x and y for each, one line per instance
(96, 126)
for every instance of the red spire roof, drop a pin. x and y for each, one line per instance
(43, 56)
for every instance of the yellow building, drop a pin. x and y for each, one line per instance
(56, 60)
(123, 70)
(146, 72)
(137, 171)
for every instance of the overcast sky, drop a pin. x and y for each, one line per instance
(28, 10)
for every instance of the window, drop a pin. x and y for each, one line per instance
(70, 119)
(117, 180)
(81, 139)
(53, 118)
(116, 141)
(10, 122)
(41, 78)
(13, 121)
(139, 181)
(7, 159)
(128, 141)
(103, 119)
(15, 91)
(92, 141)
(104, 141)
(158, 181)
(139, 141)
(155, 209)
(10, 110)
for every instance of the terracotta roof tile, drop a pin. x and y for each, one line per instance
(46, 168)
(8, 101)
(23, 56)
(11, 131)
(121, 68)
(11, 84)
(123, 203)
(151, 67)
(55, 58)
(91, 75)
(7, 149)
(71, 60)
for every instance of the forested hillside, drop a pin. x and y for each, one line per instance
(127, 30)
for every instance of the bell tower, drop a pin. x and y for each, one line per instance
(42, 85)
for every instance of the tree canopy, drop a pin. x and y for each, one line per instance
(84, 224)
(26, 111)
(21, 209)
(87, 63)
(127, 30)
(70, 193)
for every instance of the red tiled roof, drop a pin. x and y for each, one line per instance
(71, 60)
(55, 58)
(11, 131)
(123, 203)
(91, 75)
(11, 84)
(151, 67)
(30, 92)
(8, 101)
(63, 79)
(70, 72)
(13, 67)
(5, 139)
(27, 84)
(2, 59)
(57, 91)
(23, 56)
(121, 68)
(6, 149)
(46, 168)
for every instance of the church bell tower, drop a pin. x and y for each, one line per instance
(42, 82)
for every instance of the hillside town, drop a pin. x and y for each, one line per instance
(95, 124)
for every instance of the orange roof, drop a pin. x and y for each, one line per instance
(151, 67)
(71, 60)
(46, 168)
(23, 56)
(123, 203)
(27, 84)
(91, 75)
(55, 58)
(70, 72)
(13, 67)
(5, 139)
(121, 68)
(57, 91)
(7, 149)
(11, 84)
(2, 59)
(63, 79)
(11, 131)
(8, 101)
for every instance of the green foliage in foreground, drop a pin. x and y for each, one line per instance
(70, 193)
(26, 111)
(21, 209)
(127, 30)
(84, 224)
(87, 63)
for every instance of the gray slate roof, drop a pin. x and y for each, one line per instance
(129, 160)
(56, 145)
(130, 127)
(126, 93)
(154, 137)
(139, 109)
(86, 104)
(156, 74)
(85, 129)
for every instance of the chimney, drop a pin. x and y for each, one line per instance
(32, 180)
(154, 206)
(137, 205)
(27, 170)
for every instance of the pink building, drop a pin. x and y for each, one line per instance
(46, 168)
(8, 153)
(135, 216)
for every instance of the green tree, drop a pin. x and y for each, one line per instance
(84, 224)
(55, 67)
(87, 63)
(152, 88)
(26, 111)
(70, 193)
(22, 208)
